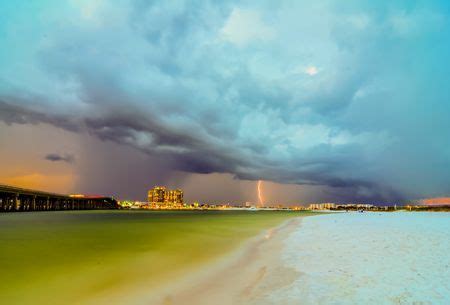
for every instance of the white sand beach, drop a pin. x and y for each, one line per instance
(349, 258)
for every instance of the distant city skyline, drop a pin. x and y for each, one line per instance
(324, 102)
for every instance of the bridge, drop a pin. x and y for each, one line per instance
(15, 199)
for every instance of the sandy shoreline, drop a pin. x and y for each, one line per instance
(242, 277)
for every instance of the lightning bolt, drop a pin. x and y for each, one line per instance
(260, 197)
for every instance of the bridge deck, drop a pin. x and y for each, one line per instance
(21, 199)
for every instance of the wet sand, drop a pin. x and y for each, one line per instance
(243, 277)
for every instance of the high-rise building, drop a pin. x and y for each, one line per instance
(157, 194)
(322, 206)
(178, 196)
(162, 195)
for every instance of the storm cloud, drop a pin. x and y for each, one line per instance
(353, 97)
(54, 157)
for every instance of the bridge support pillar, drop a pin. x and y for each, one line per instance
(16, 202)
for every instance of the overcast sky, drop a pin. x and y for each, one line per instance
(322, 100)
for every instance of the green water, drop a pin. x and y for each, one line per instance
(69, 257)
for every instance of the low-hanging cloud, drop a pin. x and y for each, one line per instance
(370, 122)
(55, 157)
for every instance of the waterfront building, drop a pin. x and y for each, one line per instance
(174, 196)
(322, 206)
(157, 194)
(355, 206)
(162, 196)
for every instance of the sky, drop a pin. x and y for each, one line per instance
(322, 101)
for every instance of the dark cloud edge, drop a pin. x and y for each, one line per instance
(188, 153)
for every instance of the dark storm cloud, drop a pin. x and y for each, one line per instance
(356, 100)
(15, 112)
(54, 157)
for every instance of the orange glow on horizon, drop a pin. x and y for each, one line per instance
(42, 182)
(437, 201)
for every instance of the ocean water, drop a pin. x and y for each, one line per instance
(369, 258)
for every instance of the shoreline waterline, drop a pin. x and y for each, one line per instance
(346, 258)
(240, 277)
